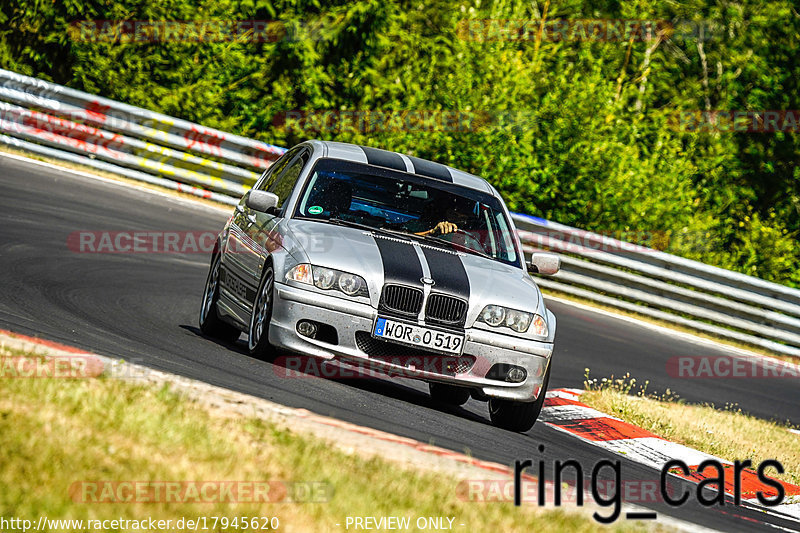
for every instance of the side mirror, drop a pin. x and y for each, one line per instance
(544, 263)
(263, 201)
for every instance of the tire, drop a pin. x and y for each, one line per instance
(258, 334)
(449, 394)
(210, 322)
(518, 416)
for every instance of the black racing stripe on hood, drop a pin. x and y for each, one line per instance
(401, 264)
(431, 169)
(383, 158)
(448, 272)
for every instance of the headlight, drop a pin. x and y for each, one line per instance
(494, 315)
(520, 321)
(324, 278)
(351, 284)
(329, 279)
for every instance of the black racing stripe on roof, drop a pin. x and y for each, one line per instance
(383, 158)
(431, 169)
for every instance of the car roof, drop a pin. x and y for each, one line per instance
(402, 162)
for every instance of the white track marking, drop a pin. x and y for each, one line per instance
(571, 412)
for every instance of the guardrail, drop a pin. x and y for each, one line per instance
(128, 138)
(666, 287)
(63, 123)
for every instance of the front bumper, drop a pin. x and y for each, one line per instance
(350, 318)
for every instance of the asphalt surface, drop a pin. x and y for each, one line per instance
(143, 307)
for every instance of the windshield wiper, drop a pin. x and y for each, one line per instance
(440, 241)
(459, 247)
(386, 231)
(350, 224)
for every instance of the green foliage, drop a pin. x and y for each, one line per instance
(578, 131)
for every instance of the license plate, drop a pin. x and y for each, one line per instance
(418, 336)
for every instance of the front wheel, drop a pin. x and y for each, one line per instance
(258, 335)
(518, 416)
(210, 322)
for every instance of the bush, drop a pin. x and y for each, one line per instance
(580, 131)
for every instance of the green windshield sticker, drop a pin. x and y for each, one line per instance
(315, 210)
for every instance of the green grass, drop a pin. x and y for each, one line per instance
(55, 432)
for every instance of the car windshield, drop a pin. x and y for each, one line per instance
(436, 211)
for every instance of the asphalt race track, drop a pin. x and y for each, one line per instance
(143, 307)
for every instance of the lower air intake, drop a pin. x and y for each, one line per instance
(403, 356)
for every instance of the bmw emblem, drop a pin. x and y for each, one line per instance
(428, 281)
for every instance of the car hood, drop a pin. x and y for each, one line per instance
(382, 258)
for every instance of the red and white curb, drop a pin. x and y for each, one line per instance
(562, 411)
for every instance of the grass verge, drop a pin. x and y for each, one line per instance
(56, 432)
(725, 431)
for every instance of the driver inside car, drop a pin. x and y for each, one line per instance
(446, 216)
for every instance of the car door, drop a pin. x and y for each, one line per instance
(264, 230)
(245, 242)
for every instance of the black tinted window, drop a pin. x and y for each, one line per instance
(274, 171)
(286, 178)
(346, 191)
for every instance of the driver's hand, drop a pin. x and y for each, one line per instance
(444, 227)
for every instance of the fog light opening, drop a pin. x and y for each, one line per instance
(306, 328)
(516, 374)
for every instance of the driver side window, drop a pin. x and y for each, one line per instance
(287, 178)
(276, 169)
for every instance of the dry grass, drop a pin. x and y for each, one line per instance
(723, 431)
(55, 432)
